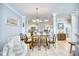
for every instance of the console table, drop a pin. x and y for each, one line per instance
(61, 36)
(72, 44)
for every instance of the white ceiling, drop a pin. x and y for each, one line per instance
(45, 9)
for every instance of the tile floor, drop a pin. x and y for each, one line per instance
(62, 49)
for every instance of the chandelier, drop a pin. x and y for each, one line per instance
(37, 19)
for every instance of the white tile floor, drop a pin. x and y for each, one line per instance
(62, 49)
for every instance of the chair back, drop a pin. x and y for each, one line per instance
(35, 40)
(21, 36)
(43, 40)
(54, 38)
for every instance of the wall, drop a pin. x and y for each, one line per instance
(75, 27)
(7, 30)
(0, 10)
(63, 21)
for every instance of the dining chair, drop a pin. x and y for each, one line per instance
(21, 36)
(43, 40)
(35, 40)
(52, 40)
(25, 38)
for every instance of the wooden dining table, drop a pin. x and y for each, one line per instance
(39, 40)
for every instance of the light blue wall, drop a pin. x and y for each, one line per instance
(75, 27)
(7, 30)
(63, 21)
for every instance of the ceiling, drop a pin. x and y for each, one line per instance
(45, 9)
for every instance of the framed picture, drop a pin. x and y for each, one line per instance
(60, 26)
(12, 21)
(23, 24)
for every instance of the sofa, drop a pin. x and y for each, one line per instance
(15, 47)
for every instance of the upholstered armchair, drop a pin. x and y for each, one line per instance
(15, 47)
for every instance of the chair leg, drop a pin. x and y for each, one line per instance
(48, 46)
(39, 46)
(55, 45)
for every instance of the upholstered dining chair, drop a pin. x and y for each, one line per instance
(52, 40)
(43, 40)
(25, 38)
(35, 41)
(21, 36)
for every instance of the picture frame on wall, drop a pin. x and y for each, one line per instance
(23, 24)
(12, 21)
(60, 26)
